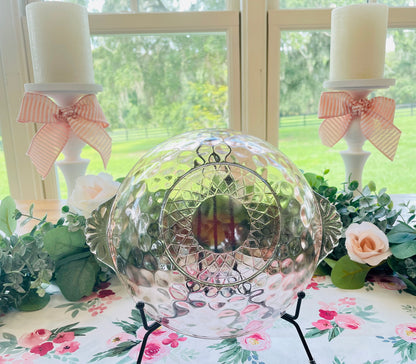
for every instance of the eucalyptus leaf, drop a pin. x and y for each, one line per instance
(348, 274)
(400, 233)
(384, 199)
(7, 216)
(404, 250)
(60, 242)
(322, 270)
(77, 278)
(314, 180)
(353, 186)
(410, 286)
(330, 262)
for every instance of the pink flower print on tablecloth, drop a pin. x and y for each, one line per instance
(407, 332)
(96, 309)
(332, 306)
(34, 338)
(347, 301)
(337, 317)
(108, 296)
(173, 340)
(405, 343)
(46, 343)
(255, 342)
(105, 293)
(42, 349)
(25, 358)
(348, 321)
(119, 338)
(158, 345)
(327, 315)
(61, 337)
(322, 324)
(313, 285)
(95, 303)
(67, 347)
(159, 332)
(89, 298)
(153, 351)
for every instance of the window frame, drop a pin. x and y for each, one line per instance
(306, 19)
(24, 182)
(253, 31)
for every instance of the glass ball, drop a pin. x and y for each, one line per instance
(216, 232)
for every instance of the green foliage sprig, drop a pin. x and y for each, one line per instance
(49, 253)
(24, 266)
(357, 206)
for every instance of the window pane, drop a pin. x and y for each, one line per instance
(304, 68)
(156, 86)
(149, 6)
(298, 4)
(4, 183)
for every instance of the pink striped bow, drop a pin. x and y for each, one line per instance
(85, 118)
(377, 115)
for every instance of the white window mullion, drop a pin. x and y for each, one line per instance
(273, 84)
(234, 77)
(254, 67)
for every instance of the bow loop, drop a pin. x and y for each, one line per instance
(376, 115)
(85, 118)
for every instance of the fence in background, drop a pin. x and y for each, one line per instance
(121, 135)
(402, 110)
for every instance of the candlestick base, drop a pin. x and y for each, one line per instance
(366, 84)
(354, 164)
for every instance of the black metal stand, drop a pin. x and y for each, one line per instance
(150, 329)
(289, 318)
(292, 319)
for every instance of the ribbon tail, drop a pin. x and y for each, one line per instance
(333, 129)
(93, 134)
(46, 145)
(382, 134)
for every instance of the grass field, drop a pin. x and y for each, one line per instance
(300, 143)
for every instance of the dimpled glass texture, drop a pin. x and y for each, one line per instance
(216, 232)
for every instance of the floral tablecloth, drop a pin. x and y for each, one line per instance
(373, 325)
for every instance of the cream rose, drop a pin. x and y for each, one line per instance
(366, 243)
(90, 192)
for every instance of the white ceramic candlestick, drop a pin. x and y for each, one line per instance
(64, 95)
(355, 157)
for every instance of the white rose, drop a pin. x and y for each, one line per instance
(366, 243)
(90, 192)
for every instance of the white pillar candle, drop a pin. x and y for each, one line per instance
(60, 42)
(358, 42)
